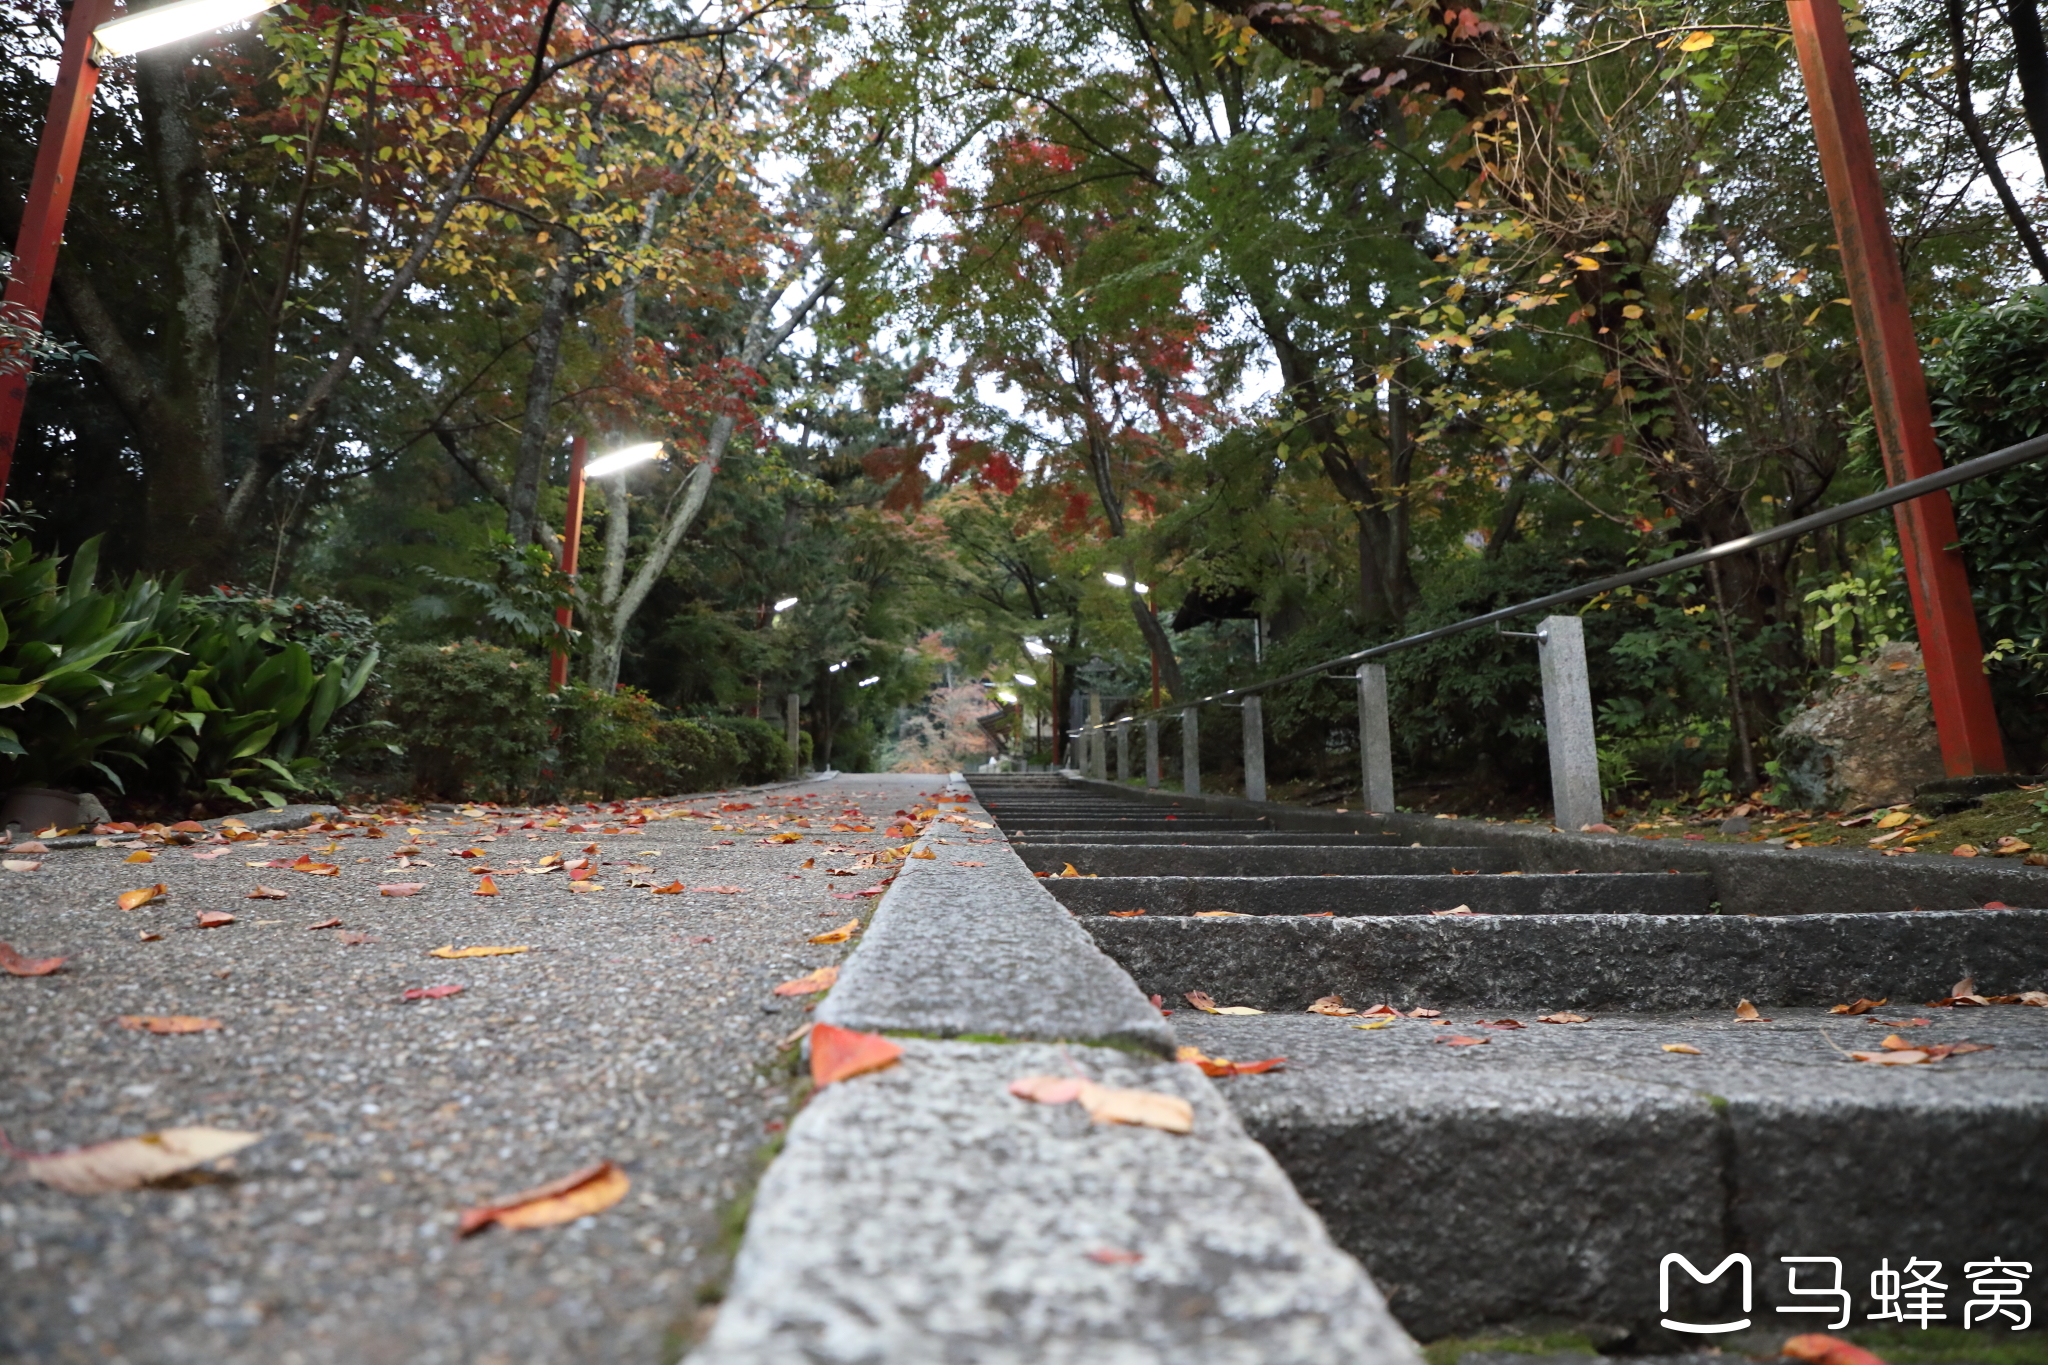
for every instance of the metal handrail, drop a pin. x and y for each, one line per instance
(1968, 470)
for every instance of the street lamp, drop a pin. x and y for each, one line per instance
(580, 472)
(1116, 580)
(90, 32)
(785, 604)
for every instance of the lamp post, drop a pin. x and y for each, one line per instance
(1144, 590)
(1022, 680)
(90, 32)
(1038, 649)
(581, 473)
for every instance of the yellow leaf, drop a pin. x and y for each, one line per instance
(140, 857)
(839, 935)
(480, 950)
(1687, 1048)
(1315, 98)
(136, 899)
(1696, 314)
(1632, 310)
(1698, 42)
(590, 1190)
(1585, 263)
(1775, 359)
(125, 1163)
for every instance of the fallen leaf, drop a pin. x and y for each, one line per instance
(1562, 1017)
(135, 900)
(31, 846)
(839, 935)
(1068, 871)
(1377, 1023)
(1330, 1004)
(1114, 1256)
(840, 1053)
(856, 895)
(140, 856)
(1501, 1023)
(1460, 1039)
(306, 865)
(1140, 1108)
(1817, 1348)
(964, 863)
(267, 893)
(1455, 910)
(2039, 998)
(786, 837)
(590, 1190)
(478, 951)
(326, 924)
(1963, 851)
(1201, 1000)
(485, 886)
(672, 889)
(1687, 1048)
(1320, 914)
(1863, 1005)
(14, 964)
(1746, 1013)
(808, 862)
(1219, 914)
(432, 992)
(927, 853)
(214, 919)
(401, 888)
(728, 890)
(21, 864)
(1223, 1066)
(167, 1023)
(1910, 1057)
(1048, 1089)
(1424, 1014)
(144, 936)
(1901, 1023)
(126, 1163)
(822, 979)
(352, 938)
(1126, 914)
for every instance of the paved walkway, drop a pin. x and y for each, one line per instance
(639, 1028)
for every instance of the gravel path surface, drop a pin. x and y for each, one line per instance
(639, 1028)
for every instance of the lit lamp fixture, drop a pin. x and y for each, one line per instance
(581, 470)
(160, 24)
(869, 681)
(785, 604)
(1116, 580)
(1026, 680)
(1035, 647)
(1141, 588)
(834, 668)
(1007, 697)
(90, 32)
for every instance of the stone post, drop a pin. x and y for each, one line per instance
(1375, 739)
(793, 733)
(1568, 720)
(1190, 751)
(1152, 754)
(1254, 750)
(1098, 751)
(1123, 749)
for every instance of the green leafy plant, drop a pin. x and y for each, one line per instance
(82, 671)
(474, 719)
(517, 604)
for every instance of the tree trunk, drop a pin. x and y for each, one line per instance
(187, 473)
(2030, 62)
(608, 638)
(535, 430)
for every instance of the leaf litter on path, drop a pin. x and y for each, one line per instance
(479, 950)
(125, 1163)
(1104, 1104)
(14, 964)
(593, 1189)
(141, 896)
(168, 1023)
(839, 935)
(1202, 1001)
(838, 1054)
(822, 979)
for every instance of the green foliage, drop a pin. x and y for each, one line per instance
(82, 672)
(1988, 382)
(515, 605)
(474, 719)
(613, 744)
(764, 753)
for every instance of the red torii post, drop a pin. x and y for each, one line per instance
(1935, 574)
(49, 199)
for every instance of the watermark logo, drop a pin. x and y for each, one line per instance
(1914, 1293)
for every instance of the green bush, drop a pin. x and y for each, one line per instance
(704, 757)
(82, 672)
(764, 753)
(474, 718)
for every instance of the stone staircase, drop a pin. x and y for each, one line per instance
(1493, 1170)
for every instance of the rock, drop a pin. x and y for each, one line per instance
(1735, 824)
(1868, 740)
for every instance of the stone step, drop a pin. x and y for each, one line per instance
(1575, 962)
(1544, 1175)
(1174, 837)
(1300, 860)
(1134, 824)
(1391, 893)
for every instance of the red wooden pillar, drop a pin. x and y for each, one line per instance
(49, 198)
(1935, 574)
(572, 538)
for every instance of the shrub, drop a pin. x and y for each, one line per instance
(475, 720)
(704, 757)
(83, 673)
(764, 753)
